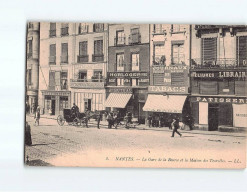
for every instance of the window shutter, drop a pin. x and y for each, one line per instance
(53, 50)
(98, 47)
(57, 78)
(52, 80)
(241, 49)
(64, 49)
(83, 48)
(52, 26)
(209, 49)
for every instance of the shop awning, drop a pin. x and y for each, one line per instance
(160, 103)
(117, 100)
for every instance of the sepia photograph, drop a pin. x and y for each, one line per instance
(135, 95)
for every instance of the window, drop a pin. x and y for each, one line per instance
(98, 51)
(178, 53)
(135, 62)
(97, 76)
(209, 50)
(176, 28)
(135, 36)
(65, 29)
(30, 49)
(52, 59)
(159, 54)
(29, 77)
(52, 82)
(120, 37)
(242, 50)
(134, 82)
(64, 102)
(120, 62)
(159, 29)
(83, 28)
(64, 56)
(52, 29)
(64, 80)
(82, 76)
(30, 25)
(83, 57)
(98, 27)
(120, 82)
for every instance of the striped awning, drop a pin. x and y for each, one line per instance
(117, 100)
(169, 103)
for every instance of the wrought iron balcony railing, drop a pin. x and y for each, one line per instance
(52, 33)
(98, 57)
(65, 31)
(93, 79)
(82, 58)
(119, 41)
(135, 38)
(159, 60)
(219, 63)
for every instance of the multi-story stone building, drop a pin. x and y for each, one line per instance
(170, 47)
(72, 59)
(32, 74)
(128, 68)
(218, 77)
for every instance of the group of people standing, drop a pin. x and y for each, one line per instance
(115, 118)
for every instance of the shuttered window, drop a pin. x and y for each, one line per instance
(52, 80)
(52, 26)
(242, 50)
(83, 48)
(178, 54)
(209, 49)
(98, 47)
(53, 50)
(158, 79)
(64, 49)
(209, 87)
(177, 78)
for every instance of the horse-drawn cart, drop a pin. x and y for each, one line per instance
(71, 118)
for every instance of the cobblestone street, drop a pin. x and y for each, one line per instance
(78, 146)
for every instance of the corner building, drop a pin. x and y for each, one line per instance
(218, 77)
(128, 69)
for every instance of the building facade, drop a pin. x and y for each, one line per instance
(88, 71)
(218, 77)
(128, 69)
(32, 69)
(170, 47)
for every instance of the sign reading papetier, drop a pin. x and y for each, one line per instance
(171, 89)
(234, 100)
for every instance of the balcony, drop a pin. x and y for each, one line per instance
(220, 63)
(159, 60)
(64, 59)
(52, 60)
(52, 33)
(135, 38)
(96, 83)
(82, 58)
(180, 60)
(98, 57)
(204, 27)
(83, 29)
(118, 41)
(29, 55)
(65, 31)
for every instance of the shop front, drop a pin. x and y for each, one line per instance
(53, 102)
(219, 113)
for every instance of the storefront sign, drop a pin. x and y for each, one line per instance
(171, 89)
(127, 74)
(220, 74)
(239, 115)
(163, 69)
(58, 93)
(232, 100)
(120, 90)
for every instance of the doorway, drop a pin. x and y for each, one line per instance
(53, 106)
(213, 117)
(88, 104)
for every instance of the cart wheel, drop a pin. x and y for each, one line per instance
(60, 120)
(76, 122)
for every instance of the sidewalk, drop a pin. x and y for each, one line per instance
(144, 127)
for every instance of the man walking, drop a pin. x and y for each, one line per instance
(175, 126)
(37, 115)
(98, 119)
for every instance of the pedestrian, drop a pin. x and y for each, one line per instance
(169, 121)
(149, 120)
(175, 126)
(86, 120)
(74, 110)
(28, 138)
(153, 120)
(109, 120)
(98, 119)
(37, 115)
